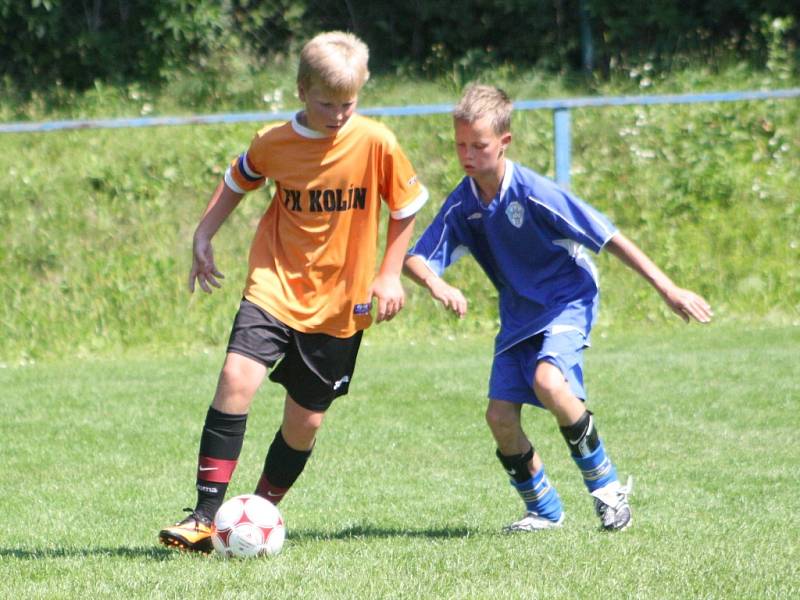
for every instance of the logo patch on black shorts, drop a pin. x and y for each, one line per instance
(362, 309)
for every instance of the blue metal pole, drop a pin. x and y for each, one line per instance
(562, 141)
(389, 111)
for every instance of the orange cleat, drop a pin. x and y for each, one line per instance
(193, 534)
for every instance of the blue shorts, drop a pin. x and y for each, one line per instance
(513, 369)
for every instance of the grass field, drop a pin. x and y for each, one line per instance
(403, 497)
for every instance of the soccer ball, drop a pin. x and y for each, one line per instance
(246, 526)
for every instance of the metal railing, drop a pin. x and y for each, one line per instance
(561, 116)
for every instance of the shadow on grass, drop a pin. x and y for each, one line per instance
(371, 532)
(148, 552)
(299, 536)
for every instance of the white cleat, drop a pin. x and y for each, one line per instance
(533, 522)
(611, 505)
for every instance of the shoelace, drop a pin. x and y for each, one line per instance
(198, 519)
(624, 491)
(606, 503)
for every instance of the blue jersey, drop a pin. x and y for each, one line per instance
(530, 241)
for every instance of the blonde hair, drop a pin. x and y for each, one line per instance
(336, 60)
(480, 101)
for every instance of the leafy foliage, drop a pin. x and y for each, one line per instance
(77, 42)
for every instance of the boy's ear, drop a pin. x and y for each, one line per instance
(301, 92)
(505, 139)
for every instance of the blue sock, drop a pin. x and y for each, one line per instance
(539, 496)
(597, 469)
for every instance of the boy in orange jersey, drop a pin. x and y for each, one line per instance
(311, 281)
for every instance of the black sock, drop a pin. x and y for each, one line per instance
(282, 467)
(220, 445)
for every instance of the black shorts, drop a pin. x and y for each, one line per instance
(316, 368)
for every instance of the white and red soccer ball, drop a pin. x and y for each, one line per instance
(246, 526)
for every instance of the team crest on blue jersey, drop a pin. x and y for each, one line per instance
(515, 213)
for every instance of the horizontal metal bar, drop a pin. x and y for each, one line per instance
(395, 111)
(662, 99)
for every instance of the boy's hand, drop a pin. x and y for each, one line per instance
(203, 268)
(390, 294)
(688, 305)
(450, 297)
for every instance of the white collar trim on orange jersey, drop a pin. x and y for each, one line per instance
(301, 129)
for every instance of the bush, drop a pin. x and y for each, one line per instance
(76, 42)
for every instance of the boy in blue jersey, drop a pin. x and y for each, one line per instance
(529, 236)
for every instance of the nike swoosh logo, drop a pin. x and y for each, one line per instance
(588, 431)
(511, 471)
(273, 494)
(207, 468)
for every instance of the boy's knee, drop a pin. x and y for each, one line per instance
(500, 417)
(548, 381)
(239, 380)
(234, 377)
(300, 425)
(242, 370)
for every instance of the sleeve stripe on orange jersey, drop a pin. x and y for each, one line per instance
(413, 207)
(231, 183)
(246, 168)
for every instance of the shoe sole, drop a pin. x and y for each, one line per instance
(623, 528)
(530, 529)
(171, 540)
(543, 527)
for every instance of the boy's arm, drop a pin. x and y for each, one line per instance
(222, 203)
(450, 297)
(386, 287)
(685, 303)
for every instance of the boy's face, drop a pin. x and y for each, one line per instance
(326, 111)
(480, 150)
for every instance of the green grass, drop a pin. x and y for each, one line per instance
(403, 496)
(97, 225)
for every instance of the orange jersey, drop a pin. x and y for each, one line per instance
(313, 256)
